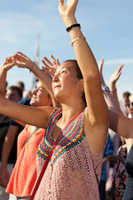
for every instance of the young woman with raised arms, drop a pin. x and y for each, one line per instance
(78, 128)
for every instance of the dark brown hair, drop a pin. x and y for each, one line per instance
(15, 88)
(78, 72)
(76, 67)
(126, 94)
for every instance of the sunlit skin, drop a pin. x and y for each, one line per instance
(40, 96)
(66, 86)
(68, 91)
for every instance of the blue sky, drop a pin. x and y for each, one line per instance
(106, 24)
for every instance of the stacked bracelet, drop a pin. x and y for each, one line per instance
(77, 38)
(72, 26)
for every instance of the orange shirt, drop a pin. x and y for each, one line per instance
(24, 173)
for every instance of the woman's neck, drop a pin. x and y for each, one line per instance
(69, 111)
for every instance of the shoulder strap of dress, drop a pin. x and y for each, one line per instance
(43, 170)
(30, 136)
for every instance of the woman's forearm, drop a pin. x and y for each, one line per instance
(3, 74)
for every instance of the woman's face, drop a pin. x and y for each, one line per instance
(40, 96)
(131, 106)
(65, 82)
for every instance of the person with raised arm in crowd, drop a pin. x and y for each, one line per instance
(124, 127)
(24, 173)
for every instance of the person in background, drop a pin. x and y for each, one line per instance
(124, 105)
(26, 93)
(14, 94)
(21, 85)
(9, 146)
(107, 155)
(124, 127)
(119, 182)
(120, 176)
(24, 173)
(116, 139)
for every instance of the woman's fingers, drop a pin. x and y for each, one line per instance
(48, 61)
(46, 65)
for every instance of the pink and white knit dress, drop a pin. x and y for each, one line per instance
(73, 172)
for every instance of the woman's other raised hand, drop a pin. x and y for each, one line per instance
(50, 67)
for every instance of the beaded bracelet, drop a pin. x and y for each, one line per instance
(72, 26)
(77, 38)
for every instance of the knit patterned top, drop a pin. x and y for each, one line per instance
(73, 171)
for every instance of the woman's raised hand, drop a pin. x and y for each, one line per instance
(23, 61)
(8, 63)
(115, 76)
(101, 72)
(50, 67)
(67, 10)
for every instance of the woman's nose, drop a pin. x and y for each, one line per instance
(55, 78)
(34, 91)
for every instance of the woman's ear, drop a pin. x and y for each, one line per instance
(81, 85)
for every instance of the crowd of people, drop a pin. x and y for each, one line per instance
(70, 138)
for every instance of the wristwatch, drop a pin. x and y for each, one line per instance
(105, 88)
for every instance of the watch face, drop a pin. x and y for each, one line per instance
(105, 88)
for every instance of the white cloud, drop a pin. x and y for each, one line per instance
(119, 61)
